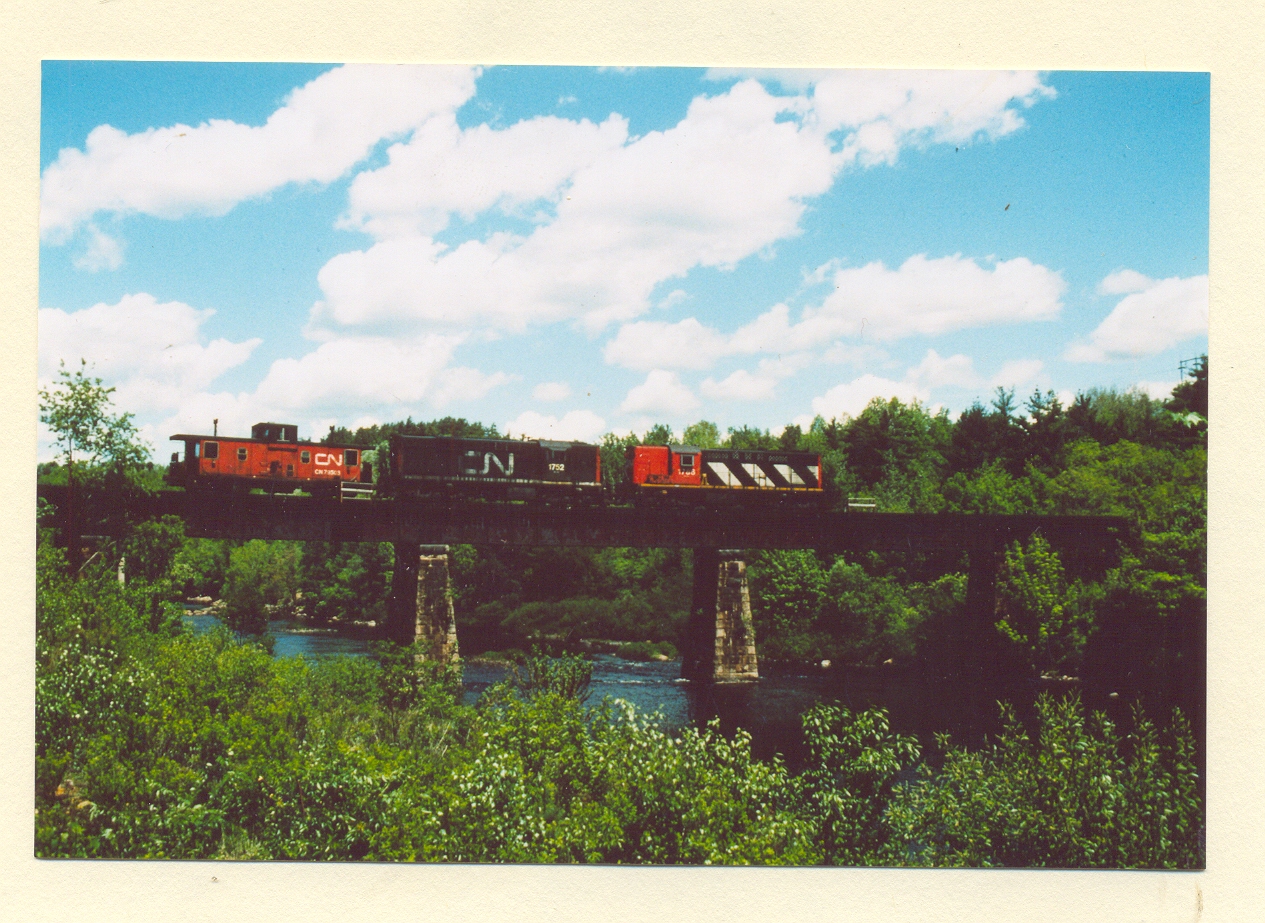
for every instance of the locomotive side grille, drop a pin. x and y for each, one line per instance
(760, 474)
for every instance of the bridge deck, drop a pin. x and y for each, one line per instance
(245, 516)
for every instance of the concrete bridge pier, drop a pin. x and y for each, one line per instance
(421, 608)
(720, 636)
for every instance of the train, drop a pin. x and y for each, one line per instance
(272, 459)
(498, 470)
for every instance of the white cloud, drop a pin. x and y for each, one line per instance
(727, 181)
(1157, 390)
(324, 128)
(1015, 373)
(661, 392)
(924, 296)
(443, 171)
(1123, 282)
(935, 296)
(575, 426)
(152, 353)
(654, 344)
(346, 379)
(551, 391)
(744, 386)
(934, 371)
(103, 252)
(673, 298)
(882, 111)
(1156, 316)
(850, 398)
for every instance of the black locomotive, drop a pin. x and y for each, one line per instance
(496, 469)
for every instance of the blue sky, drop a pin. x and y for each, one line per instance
(569, 251)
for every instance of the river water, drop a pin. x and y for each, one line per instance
(769, 710)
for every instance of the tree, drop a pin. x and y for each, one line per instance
(79, 412)
(703, 434)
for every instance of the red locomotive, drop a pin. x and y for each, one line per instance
(676, 471)
(272, 458)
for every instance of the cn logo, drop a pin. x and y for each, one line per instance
(471, 464)
(330, 458)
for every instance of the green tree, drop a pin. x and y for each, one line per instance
(262, 578)
(80, 414)
(1038, 610)
(704, 434)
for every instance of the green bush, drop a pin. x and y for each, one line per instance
(1077, 796)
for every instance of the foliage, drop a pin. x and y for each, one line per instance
(79, 412)
(262, 577)
(1077, 796)
(345, 582)
(567, 676)
(201, 567)
(1038, 611)
(202, 746)
(849, 780)
(704, 434)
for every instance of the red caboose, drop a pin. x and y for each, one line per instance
(272, 459)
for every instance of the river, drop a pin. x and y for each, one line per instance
(769, 710)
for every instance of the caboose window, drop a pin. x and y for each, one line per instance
(305, 456)
(351, 458)
(241, 454)
(210, 450)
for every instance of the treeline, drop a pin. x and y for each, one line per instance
(153, 742)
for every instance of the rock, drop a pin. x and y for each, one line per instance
(825, 664)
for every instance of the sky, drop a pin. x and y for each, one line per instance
(565, 252)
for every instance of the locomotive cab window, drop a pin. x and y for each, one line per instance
(241, 454)
(210, 450)
(351, 458)
(305, 456)
(686, 463)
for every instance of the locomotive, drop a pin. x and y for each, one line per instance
(687, 474)
(495, 470)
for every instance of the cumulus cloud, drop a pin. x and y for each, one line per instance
(575, 426)
(625, 214)
(341, 380)
(1153, 317)
(879, 112)
(850, 398)
(153, 353)
(324, 128)
(728, 180)
(924, 296)
(1016, 373)
(661, 392)
(1157, 390)
(444, 170)
(654, 344)
(742, 385)
(103, 252)
(551, 391)
(935, 371)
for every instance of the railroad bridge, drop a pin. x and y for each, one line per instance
(720, 646)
